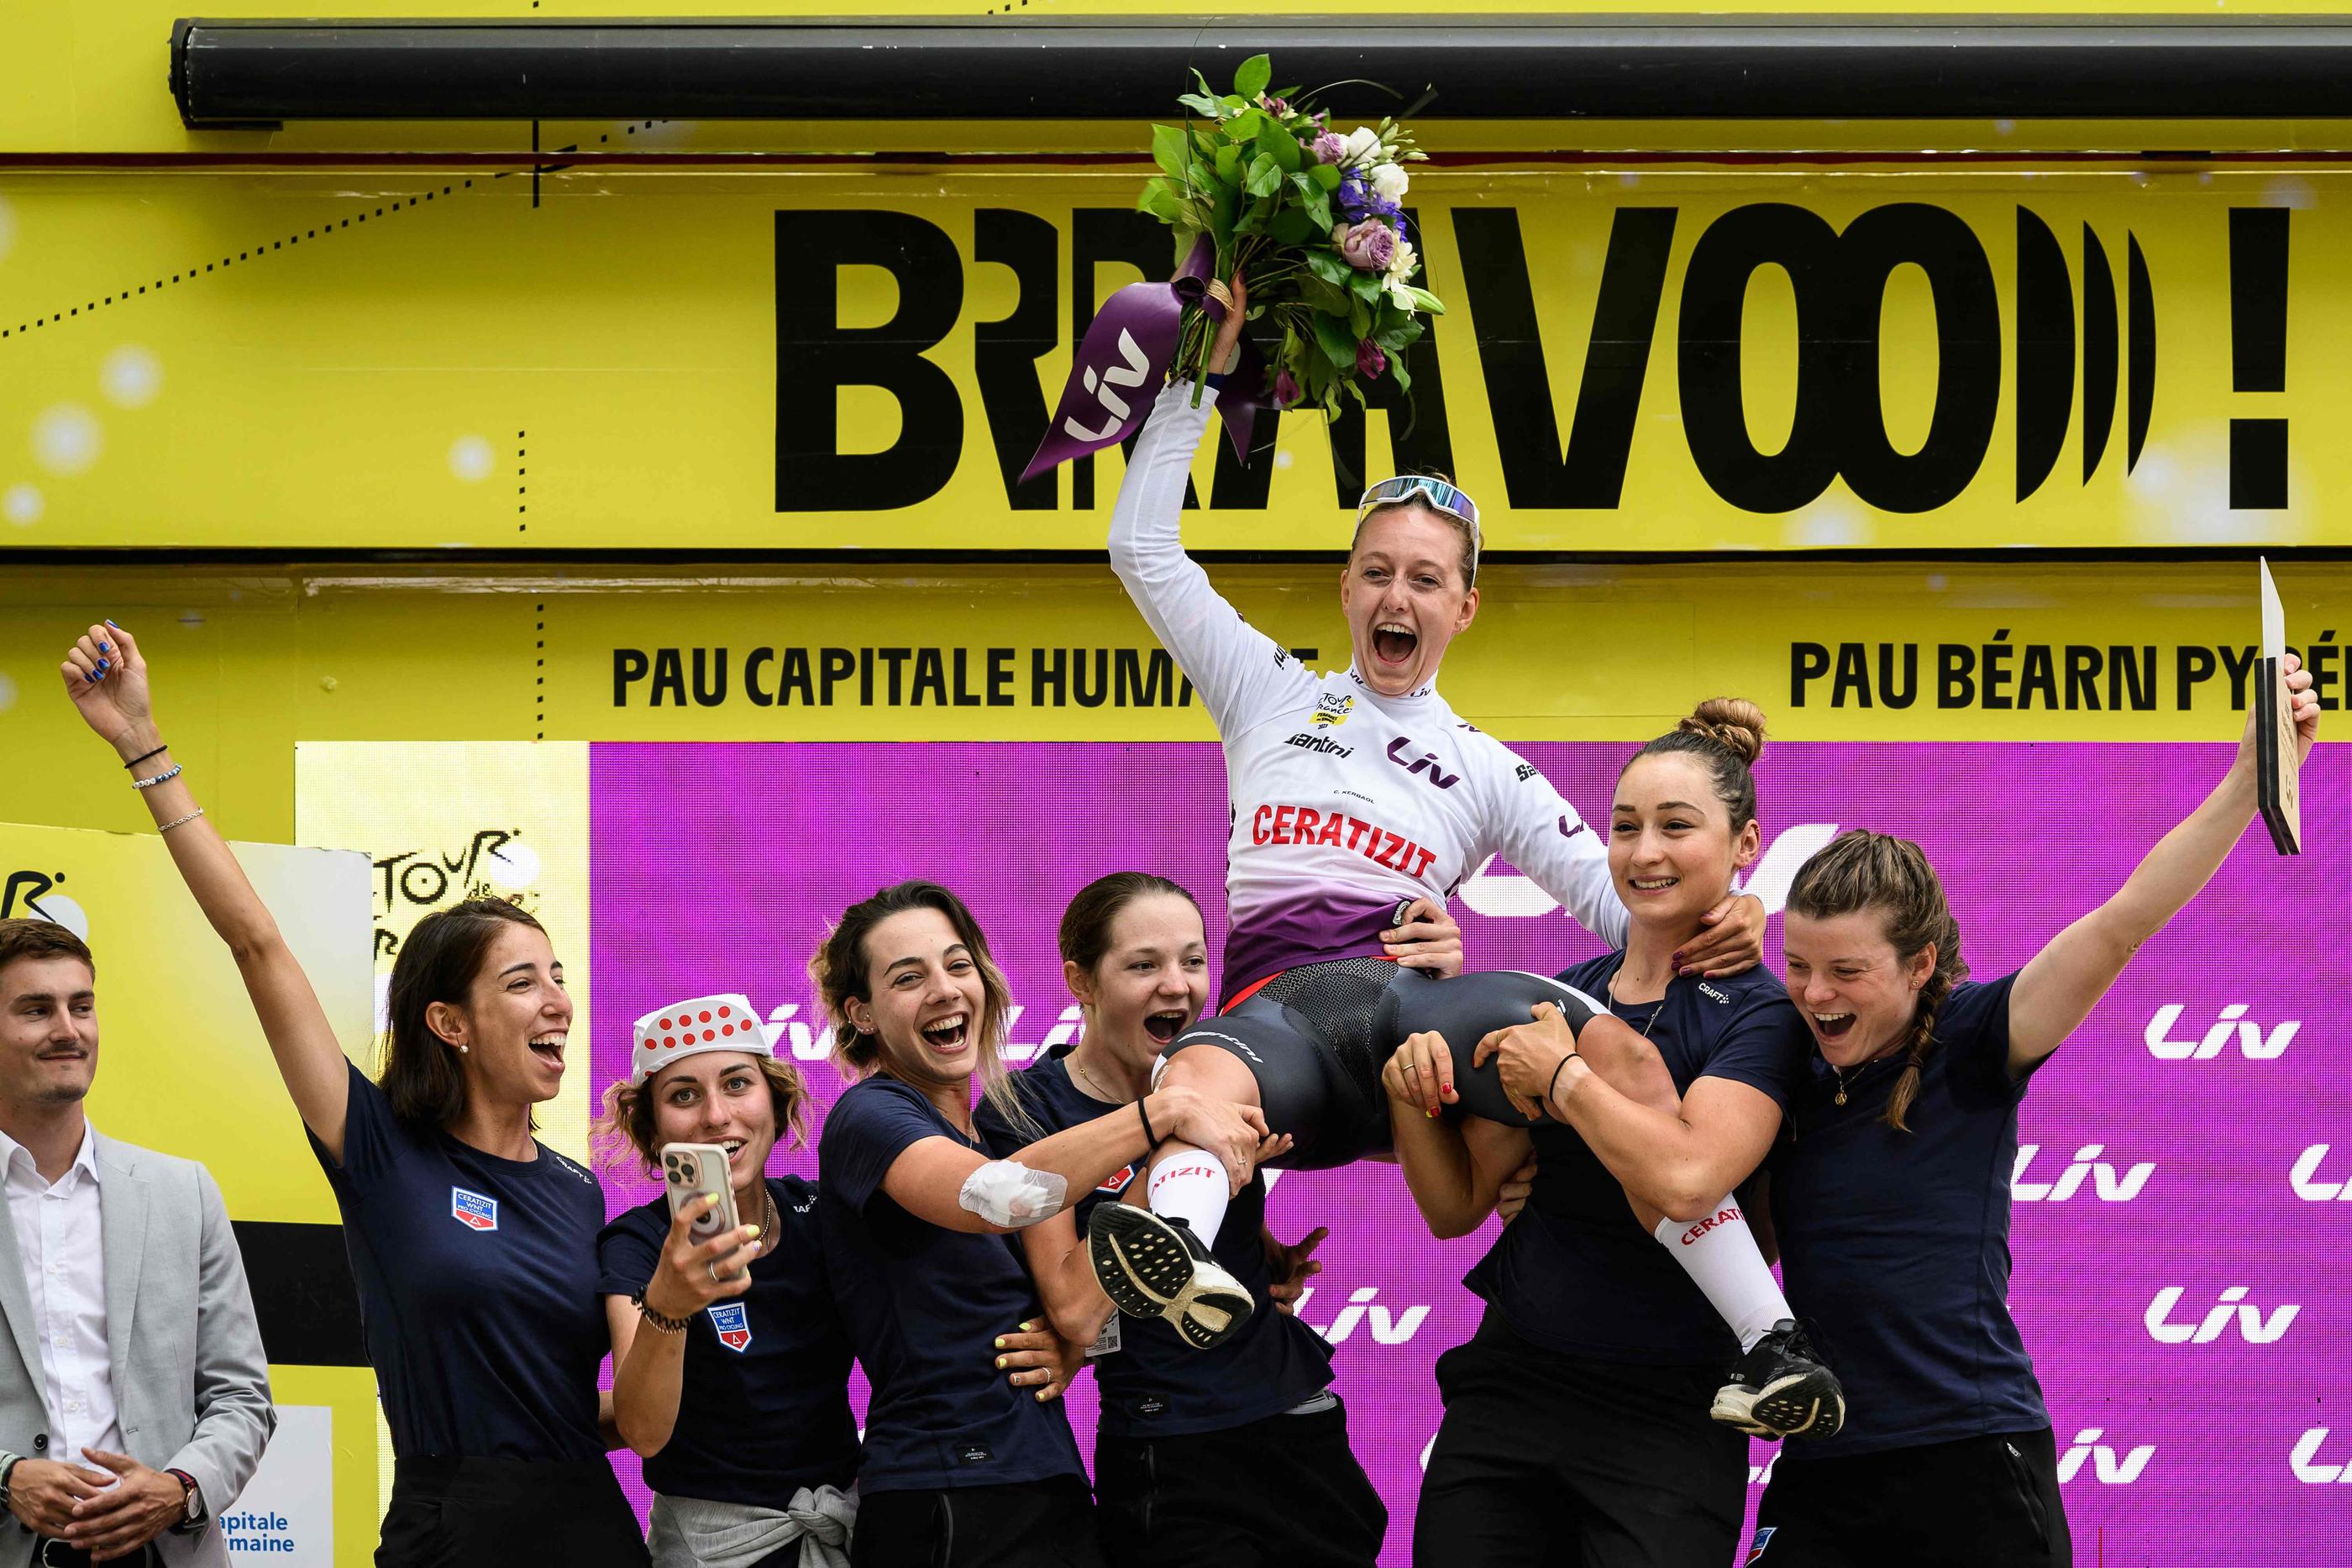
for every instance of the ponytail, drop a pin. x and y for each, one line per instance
(1862, 869)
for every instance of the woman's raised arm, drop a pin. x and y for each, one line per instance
(106, 677)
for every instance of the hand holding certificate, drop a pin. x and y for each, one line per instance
(2277, 761)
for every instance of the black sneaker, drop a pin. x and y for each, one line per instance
(1780, 1389)
(1155, 1267)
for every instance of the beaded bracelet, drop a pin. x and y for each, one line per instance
(163, 777)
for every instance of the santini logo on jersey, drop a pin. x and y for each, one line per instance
(1307, 741)
(733, 1323)
(2252, 1326)
(472, 1211)
(2252, 1041)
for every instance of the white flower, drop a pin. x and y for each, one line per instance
(1401, 297)
(1388, 181)
(1402, 262)
(1362, 142)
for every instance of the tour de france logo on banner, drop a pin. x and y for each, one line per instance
(441, 823)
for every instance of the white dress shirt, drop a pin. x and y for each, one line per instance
(59, 1241)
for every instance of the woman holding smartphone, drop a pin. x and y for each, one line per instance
(961, 1472)
(472, 1244)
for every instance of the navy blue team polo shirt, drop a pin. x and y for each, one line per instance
(1895, 1245)
(1154, 1385)
(763, 1396)
(477, 1281)
(924, 1306)
(1575, 1273)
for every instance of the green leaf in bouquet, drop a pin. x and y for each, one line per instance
(1325, 175)
(1243, 126)
(1200, 103)
(1224, 206)
(1229, 166)
(1255, 73)
(1162, 200)
(1396, 369)
(1367, 286)
(1293, 226)
(1172, 148)
(1331, 266)
(1331, 335)
(1318, 207)
(1395, 338)
(1327, 297)
(1427, 301)
(1276, 141)
(1360, 320)
(1265, 176)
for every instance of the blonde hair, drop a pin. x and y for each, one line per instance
(838, 969)
(1862, 870)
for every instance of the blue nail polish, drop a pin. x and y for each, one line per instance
(110, 622)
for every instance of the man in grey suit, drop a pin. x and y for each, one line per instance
(135, 1398)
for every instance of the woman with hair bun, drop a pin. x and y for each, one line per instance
(1576, 1424)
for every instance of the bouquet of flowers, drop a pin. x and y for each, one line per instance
(1311, 221)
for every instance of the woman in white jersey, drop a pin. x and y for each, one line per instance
(1353, 793)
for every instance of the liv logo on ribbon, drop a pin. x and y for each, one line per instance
(2252, 1040)
(2254, 1326)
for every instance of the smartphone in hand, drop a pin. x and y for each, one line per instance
(690, 1170)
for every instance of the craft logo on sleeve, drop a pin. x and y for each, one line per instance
(733, 1323)
(472, 1211)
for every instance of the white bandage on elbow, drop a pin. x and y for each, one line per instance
(1008, 1194)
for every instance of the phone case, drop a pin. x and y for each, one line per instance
(689, 1170)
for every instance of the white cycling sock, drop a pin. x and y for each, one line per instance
(1721, 1254)
(1190, 1184)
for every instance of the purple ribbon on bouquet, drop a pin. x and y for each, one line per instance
(1125, 357)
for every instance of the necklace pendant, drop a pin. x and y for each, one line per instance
(1841, 1096)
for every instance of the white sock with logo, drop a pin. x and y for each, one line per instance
(1722, 1258)
(1190, 1183)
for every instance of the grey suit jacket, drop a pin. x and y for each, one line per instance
(191, 1384)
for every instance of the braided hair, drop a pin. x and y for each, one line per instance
(1862, 869)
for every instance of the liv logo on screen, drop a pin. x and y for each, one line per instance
(2233, 1024)
(2305, 1179)
(2110, 1186)
(2304, 1460)
(1363, 1310)
(2109, 1469)
(2252, 1326)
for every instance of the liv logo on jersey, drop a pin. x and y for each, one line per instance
(733, 1323)
(472, 1211)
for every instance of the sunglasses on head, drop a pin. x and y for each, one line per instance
(1437, 493)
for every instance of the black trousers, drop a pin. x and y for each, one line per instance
(1550, 1461)
(491, 1513)
(1027, 1524)
(1282, 1492)
(1978, 1502)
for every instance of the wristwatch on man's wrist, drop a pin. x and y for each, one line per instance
(8, 1465)
(194, 1513)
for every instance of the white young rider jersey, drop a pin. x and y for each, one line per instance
(1344, 802)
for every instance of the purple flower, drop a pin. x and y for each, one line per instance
(1369, 361)
(1369, 246)
(1329, 148)
(1278, 108)
(1285, 389)
(1358, 202)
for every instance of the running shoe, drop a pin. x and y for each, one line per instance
(1780, 1389)
(1155, 1267)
